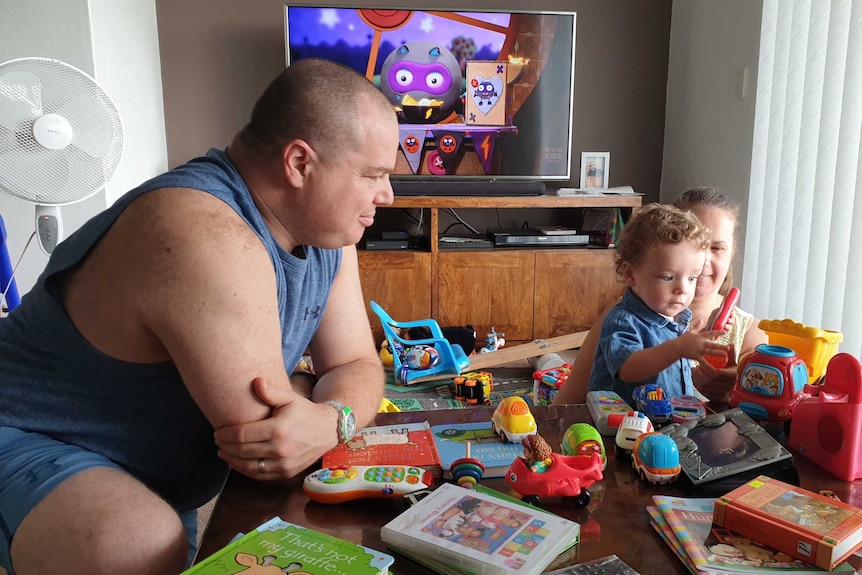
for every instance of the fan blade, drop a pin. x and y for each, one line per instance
(35, 176)
(20, 99)
(92, 124)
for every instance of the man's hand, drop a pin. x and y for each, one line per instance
(284, 444)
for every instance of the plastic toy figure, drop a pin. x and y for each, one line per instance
(632, 426)
(537, 452)
(493, 341)
(567, 476)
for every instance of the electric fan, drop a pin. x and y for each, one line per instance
(60, 139)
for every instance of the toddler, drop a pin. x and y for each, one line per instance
(645, 337)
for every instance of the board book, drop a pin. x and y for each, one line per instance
(799, 522)
(279, 544)
(485, 445)
(477, 533)
(687, 526)
(397, 444)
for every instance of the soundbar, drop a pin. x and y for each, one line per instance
(446, 187)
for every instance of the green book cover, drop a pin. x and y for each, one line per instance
(282, 545)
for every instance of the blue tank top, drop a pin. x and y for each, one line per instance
(141, 415)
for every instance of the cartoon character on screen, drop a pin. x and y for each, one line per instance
(537, 452)
(423, 82)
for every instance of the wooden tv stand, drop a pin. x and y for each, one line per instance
(524, 293)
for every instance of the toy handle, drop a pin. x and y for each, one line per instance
(723, 315)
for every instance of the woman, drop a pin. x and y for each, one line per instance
(720, 214)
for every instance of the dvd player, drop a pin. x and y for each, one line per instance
(528, 237)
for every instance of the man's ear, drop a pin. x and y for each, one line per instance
(298, 159)
(628, 274)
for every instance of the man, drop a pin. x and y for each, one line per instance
(183, 308)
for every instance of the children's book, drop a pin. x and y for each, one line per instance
(280, 545)
(397, 444)
(706, 547)
(659, 523)
(477, 533)
(486, 446)
(799, 522)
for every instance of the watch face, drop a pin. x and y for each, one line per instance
(349, 425)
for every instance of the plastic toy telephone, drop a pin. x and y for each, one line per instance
(722, 316)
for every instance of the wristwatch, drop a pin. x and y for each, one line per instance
(346, 421)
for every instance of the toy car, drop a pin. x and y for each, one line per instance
(568, 476)
(583, 439)
(631, 427)
(650, 400)
(771, 382)
(513, 420)
(655, 458)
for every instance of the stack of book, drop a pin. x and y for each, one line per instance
(280, 546)
(481, 532)
(687, 526)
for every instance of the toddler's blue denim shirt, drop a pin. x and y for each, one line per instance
(629, 327)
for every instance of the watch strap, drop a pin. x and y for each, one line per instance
(344, 412)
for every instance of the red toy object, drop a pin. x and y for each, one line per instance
(771, 383)
(568, 476)
(827, 427)
(720, 322)
(550, 381)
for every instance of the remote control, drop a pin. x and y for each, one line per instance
(340, 484)
(607, 409)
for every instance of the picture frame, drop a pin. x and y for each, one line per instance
(595, 170)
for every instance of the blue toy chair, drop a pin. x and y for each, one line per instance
(452, 360)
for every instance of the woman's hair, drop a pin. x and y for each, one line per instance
(711, 197)
(655, 225)
(537, 444)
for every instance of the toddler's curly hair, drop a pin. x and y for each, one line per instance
(537, 444)
(657, 224)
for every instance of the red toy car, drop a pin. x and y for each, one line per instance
(568, 476)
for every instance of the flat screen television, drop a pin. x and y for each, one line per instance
(484, 99)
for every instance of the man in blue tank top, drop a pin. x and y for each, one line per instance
(156, 351)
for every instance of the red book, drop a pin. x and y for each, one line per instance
(396, 444)
(799, 522)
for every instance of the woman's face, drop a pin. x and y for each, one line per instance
(721, 226)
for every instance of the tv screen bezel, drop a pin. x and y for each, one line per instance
(448, 180)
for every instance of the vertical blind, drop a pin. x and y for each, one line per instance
(803, 242)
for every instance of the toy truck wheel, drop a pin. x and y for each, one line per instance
(583, 498)
(530, 499)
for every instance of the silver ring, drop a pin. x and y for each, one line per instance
(260, 465)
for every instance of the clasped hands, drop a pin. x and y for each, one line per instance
(284, 444)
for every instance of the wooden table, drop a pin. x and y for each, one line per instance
(616, 521)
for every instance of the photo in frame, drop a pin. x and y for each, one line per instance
(595, 168)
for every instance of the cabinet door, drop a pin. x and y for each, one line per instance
(572, 289)
(487, 289)
(400, 281)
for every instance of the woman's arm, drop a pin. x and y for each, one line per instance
(578, 383)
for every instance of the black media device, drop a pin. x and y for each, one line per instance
(532, 238)
(386, 244)
(484, 98)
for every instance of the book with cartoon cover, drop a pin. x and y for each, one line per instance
(281, 545)
(706, 547)
(478, 533)
(485, 445)
(395, 444)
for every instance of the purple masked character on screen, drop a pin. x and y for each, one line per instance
(423, 81)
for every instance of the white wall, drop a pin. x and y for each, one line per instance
(116, 42)
(709, 126)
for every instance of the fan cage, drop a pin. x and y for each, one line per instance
(32, 87)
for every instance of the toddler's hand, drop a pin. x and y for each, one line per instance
(696, 344)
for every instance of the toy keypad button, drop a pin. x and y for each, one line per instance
(352, 472)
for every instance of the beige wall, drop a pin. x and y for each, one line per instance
(218, 55)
